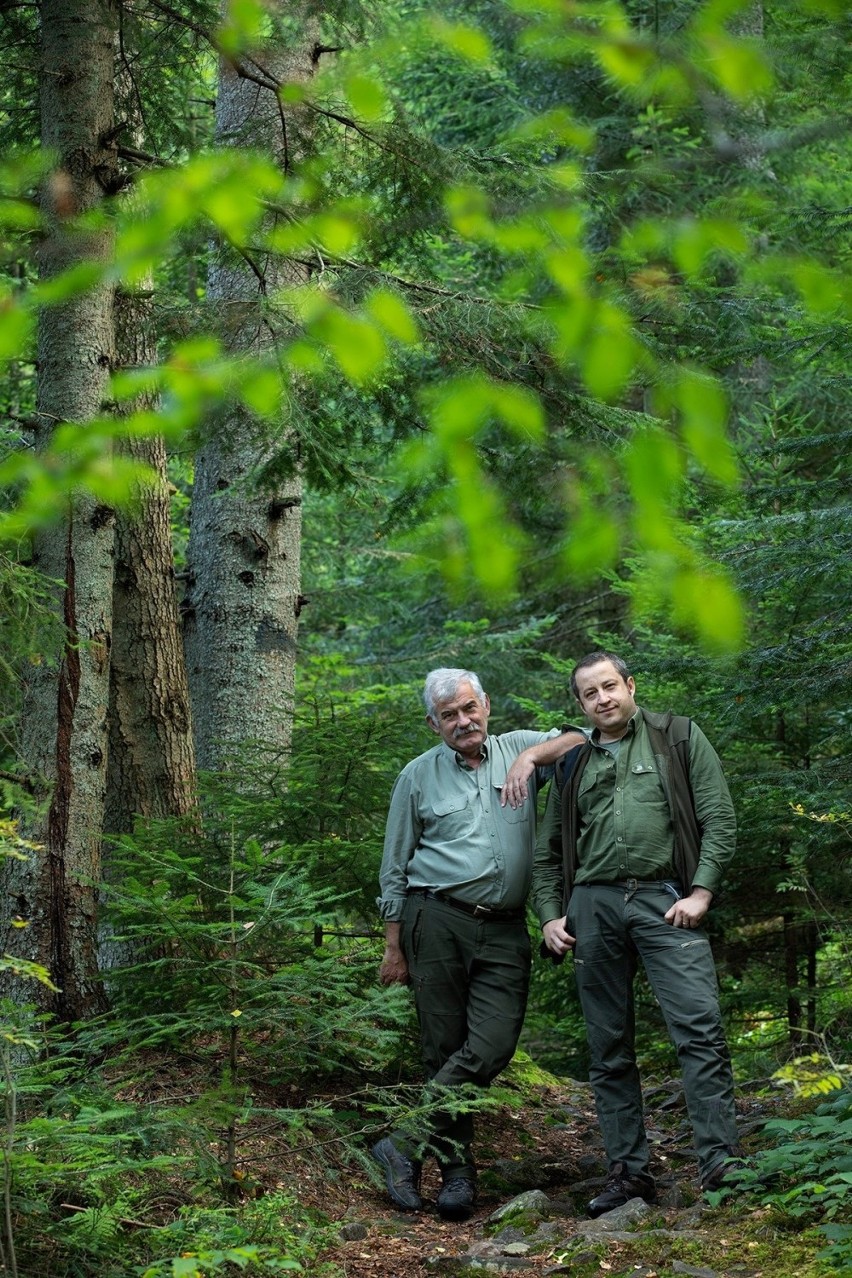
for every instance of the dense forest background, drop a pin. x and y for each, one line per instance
(341, 341)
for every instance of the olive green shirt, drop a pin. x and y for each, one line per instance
(625, 821)
(447, 831)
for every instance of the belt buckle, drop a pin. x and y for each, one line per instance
(482, 911)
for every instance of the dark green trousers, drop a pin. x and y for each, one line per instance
(470, 979)
(615, 928)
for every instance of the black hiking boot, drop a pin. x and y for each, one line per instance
(457, 1197)
(620, 1188)
(402, 1174)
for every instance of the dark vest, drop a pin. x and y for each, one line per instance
(669, 735)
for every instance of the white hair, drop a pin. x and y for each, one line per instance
(442, 685)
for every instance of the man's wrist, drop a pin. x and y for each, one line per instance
(547, 752)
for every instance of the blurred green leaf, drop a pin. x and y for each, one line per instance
(357, 345)
(468, 42)
(703, 405)
(468, 210)
(569, 269)
(705, 602)
(654, 468)
(77, 279)
(18, 215)
(556, 125)
(628, 61)
(608, 359)
(694, 240)
(738, 66)
(262, 392)
(392, 315)
(492, 555)
(593, 545)
(246, 23)
(367, 96)
(821, 289)
(16, 328)
(460, 407)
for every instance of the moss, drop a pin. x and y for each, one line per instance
(523, 1073)
(526, 1222)
(729, 1243)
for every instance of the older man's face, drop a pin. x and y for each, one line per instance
(462, 720)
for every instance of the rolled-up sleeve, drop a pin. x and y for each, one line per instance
(402, 835)
(714, 809)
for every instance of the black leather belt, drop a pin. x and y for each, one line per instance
(632, 884)
(484, 912)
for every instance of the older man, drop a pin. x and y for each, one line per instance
(635, 846)
(454, 880)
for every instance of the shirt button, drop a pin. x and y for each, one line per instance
(621, 840)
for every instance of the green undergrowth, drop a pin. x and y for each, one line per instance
(250, 1059)
(153, 1168)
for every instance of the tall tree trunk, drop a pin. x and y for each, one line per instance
(243, 601)
(64, 737)
(811, 945)
(151, 758)
(791, 973)
(743, 125)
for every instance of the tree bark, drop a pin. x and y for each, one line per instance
(64, 734)
(791, 972)
(151, 769)
(243, 601)
(744, 124)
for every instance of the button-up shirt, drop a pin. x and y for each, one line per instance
(446, 830)
(625, 828)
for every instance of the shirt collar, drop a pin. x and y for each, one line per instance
(629, 731)
(462, 762)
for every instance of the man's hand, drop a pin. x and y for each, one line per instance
(394, 967)
(690, 910)
(556, 938)
(515, 788)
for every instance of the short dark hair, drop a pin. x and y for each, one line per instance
(592, 659)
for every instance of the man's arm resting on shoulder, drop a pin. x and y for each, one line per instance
(394, 968)
(515, 788)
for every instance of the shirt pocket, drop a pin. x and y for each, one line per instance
(645, 783)
(510, 815)
(453, 815)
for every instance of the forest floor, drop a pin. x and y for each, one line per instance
(546, 1139)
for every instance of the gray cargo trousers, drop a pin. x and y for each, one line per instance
(615, 926)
